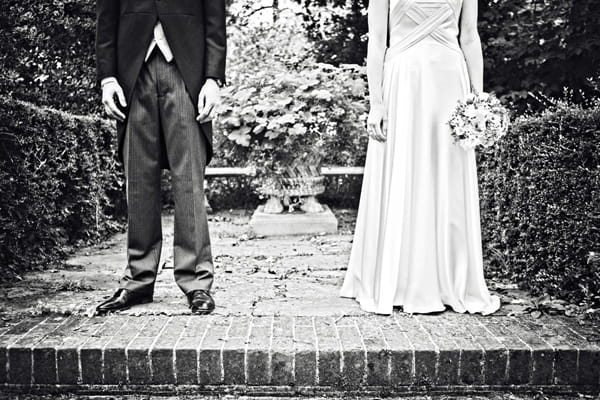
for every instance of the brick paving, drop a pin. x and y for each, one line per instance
(191, 396)
(345, 353)
(281, 328)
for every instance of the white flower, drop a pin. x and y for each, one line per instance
(460, 132)
(470, 111)
(483, 96)
(470, 97)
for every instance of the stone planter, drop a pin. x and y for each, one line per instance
(279, 217)
(303, 183)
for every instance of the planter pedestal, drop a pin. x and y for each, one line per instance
(307, 223)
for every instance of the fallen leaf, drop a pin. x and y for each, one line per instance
(536, 314)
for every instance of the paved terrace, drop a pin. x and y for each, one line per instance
(280, 327)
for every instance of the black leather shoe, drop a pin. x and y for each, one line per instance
(124, 299)
(201, 302)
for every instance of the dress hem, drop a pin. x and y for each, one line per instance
(368, 305)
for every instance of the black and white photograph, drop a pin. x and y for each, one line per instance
(299, 199)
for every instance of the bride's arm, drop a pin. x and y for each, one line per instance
(377, 19)
(471, 44)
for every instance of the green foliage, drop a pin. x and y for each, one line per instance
(540, 193)
(540, 45)
(279, 118)
(228, 193)
(61, 185)
(338, 29)
(282, 108)
(533, 45)
(47, 53)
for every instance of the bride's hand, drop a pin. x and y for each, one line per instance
(376, 124)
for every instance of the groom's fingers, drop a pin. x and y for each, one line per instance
(110, 106)
(116, 113)
(113, 111)
(121, 97)
(201, 99)
(209, 117)
(207, 112)
(202, 114)
(206, 119)
(210, 110)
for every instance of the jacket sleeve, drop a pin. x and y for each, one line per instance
(107, 26)
(216, 40)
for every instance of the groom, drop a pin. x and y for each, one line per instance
(160, 64)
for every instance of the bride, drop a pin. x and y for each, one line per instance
(417, 242)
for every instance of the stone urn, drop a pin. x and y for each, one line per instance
(292, 207)
(299, 182)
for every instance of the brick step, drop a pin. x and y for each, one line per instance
(448, 352)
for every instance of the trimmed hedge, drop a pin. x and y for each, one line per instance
(47, 53)
(540, 193)
(61, 185)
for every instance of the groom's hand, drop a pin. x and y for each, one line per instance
(111, 91)
(207, 101)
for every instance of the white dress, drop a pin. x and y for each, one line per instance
(417, 242)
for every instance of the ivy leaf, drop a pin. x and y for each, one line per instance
(298, 129)
(272, 134)
(244, 95)
(258, 129)
(241, 136)
(322, 94)
(233, 121)
(284, 101)
(248, 116)
(286, 119)
(357, 87)
(273, 124)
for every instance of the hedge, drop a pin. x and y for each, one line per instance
(540, 194)
(61, 185)
(47, 53)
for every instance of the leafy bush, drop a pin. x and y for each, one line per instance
(47, 53)
(61, 185)
(282, 107)
(280, 117)
(540, 194)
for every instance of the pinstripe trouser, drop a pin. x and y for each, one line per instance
(162, 116)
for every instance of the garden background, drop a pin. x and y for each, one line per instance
(297, 87)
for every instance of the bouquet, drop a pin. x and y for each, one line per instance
(479, 120)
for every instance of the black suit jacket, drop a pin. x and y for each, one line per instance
(195, 30)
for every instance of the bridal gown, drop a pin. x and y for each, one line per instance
(417, 242)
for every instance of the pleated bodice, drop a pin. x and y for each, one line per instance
(417, 22)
